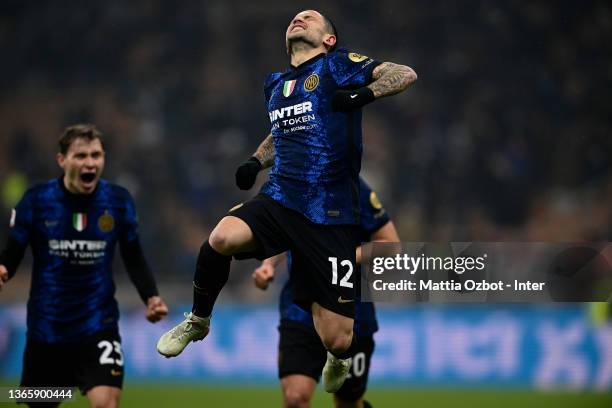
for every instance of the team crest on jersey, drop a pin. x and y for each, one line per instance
(106, 222)
(79, 221)
(374, 201)
(311, 83)
(289, 87)
(13, 217)
(353, 56)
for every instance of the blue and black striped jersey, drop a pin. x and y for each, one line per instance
(317, 151)
(73, 239)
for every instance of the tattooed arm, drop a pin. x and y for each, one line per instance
(390, 78)
(265, 152)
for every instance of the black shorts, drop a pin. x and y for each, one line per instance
(323, 256)
(96, 360)
(300, 351)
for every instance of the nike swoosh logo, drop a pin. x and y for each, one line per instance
(115, 373)
(340, 300)
(353, 96)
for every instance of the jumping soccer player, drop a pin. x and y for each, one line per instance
(301, 355)
(72, 224)
(310, 205)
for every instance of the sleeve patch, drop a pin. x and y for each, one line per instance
(374, 201)
(353, 56)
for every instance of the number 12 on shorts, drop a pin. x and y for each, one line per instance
(345, 279)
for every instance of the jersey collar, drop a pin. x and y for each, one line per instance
(78, 197)
(307, 62)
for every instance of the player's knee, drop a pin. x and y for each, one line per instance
(109, 401)
(220, 240)
(104, 398)
(295, 397)
(338, 342)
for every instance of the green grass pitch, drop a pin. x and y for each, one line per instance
(161, 395)
(164, 395)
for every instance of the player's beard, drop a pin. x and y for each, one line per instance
(299, 44)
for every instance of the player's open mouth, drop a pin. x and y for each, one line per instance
(88, 178)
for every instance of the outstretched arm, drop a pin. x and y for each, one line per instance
(390, 79)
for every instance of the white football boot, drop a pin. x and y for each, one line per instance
(193, 328)
(335, 372)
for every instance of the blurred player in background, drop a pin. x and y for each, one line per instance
(301, 353)
(310, 205)
(72, 224)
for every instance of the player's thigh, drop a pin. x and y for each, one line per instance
(48, 365)
(101, 361)
(355, 385)
(232, 235)
(327, 321)
(255, 229)
(323, 268)
(104, 396)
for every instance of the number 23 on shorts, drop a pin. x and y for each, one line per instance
(107, 350)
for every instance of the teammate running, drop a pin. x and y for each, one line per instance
(72, 224)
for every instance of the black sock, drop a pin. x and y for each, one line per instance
(349, 352)
(366, 404)
(212, 272)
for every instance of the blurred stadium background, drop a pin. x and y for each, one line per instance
(505, 137)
